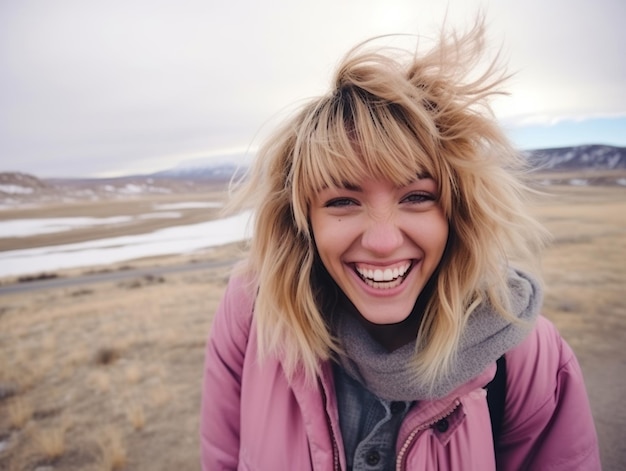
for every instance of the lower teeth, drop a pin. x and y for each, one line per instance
(383, 284)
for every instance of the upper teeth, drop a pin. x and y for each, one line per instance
(387, 274)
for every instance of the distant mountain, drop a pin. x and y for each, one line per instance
(588, 157)
(16, 183)
(222, 171)
(581, 159)
(20, 188)
(581, 165)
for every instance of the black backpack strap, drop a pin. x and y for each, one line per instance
(496, 398)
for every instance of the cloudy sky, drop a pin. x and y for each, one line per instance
(107, 87)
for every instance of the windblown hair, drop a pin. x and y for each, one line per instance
(391, 115)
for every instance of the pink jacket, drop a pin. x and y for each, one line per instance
(253, 419)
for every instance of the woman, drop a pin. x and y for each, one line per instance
(384, 283)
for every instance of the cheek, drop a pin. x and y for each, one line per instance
(328, 244)
(442, 234)
(322, 237)
(332, 238)
(432, 232)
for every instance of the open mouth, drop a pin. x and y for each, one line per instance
(384, 278)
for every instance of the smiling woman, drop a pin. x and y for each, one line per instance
(385, 282)
(380, 244)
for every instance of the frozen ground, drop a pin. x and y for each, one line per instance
(171, 240)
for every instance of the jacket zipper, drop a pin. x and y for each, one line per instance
(336, 465)
(408, 442)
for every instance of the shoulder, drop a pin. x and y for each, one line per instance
(545, 340)
(234, 314)
(239, 297)
(545, 387)
(547, 419)
(534, 366)
(541, 354)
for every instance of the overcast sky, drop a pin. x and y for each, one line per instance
(93, 88)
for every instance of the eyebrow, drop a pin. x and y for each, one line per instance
(342, 185)
(351, 186)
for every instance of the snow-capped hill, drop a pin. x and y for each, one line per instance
(218, 168)
(25, 189)
(588, 157)
(218, 172)
(15, 183)
(582, 165)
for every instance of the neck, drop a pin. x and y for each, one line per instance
(394, 336)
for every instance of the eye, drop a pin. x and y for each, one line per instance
(419, 197)
(340, 203)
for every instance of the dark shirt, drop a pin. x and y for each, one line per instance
(369, 425)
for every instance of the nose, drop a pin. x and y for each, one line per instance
(382, 236)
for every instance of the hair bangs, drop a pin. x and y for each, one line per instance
(358, 136)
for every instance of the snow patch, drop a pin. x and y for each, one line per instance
(131, 189)
(171, 240)
(189, 205)
(16, 189)
(28, 227)
(163, 215)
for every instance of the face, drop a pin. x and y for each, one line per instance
(380, 243)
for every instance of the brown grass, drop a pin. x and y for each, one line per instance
(49, 441)
(113, 454)
(19, 412)
(136, 415)
(129, 358)
(124, 359)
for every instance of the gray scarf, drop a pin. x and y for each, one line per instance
(487, 336)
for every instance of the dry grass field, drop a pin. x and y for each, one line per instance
(585, 272)
(106, 376)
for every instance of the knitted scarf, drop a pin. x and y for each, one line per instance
(487, 336)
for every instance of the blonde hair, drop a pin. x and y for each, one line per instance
(391, 115)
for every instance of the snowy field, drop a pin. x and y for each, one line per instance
(171, 240)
